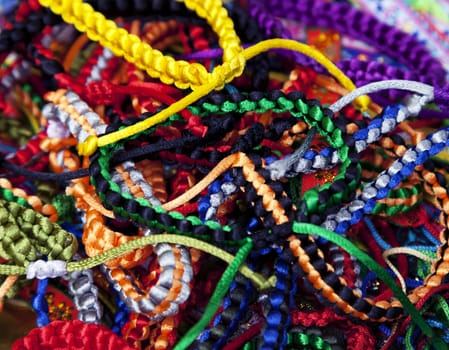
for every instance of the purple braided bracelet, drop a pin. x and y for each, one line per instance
(347, 20)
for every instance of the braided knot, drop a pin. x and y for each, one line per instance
(42, 269)
(228, 71)
(25, 234)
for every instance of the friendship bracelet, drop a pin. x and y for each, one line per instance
(218, 294)
(85, 295)
(347, 19)
(164, 298)
(192, 74)
(385, 126)
(359, 71)
(69, 109)
(21, 31)
(419, 305)
(44, 237)
(275, 332)
(249, 52)
(326, 223)
(122, 213)
(91, 143)
(236, 305)
(380, 272)
(241, 170)
(70, 334)
(257, 279)
(245, 27)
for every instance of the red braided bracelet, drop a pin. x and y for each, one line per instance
(71, 335)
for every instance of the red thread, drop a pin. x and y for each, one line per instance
(359, 337)
(26, 8)
(71, 335)
(103, 92)
(403, 325)
(237, 343)
(349, 273)
(319, 318)
(361, 230)
(187, 209)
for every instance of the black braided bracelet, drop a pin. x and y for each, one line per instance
(127, 207)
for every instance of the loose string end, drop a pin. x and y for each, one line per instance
(362, 103)
(88, 147)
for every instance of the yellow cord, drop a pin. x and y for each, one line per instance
(123, 44)
(217, 17)
(89, 146)
(180, 73)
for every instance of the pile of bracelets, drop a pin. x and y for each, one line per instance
(208, 174)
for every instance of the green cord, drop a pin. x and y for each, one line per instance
(305, 228)
(296, 341)
(251, 345)
(442, 309)
(9, 196)
(44, 231)
(305, 342)
(314, 116)
(391, 210)
(217, 297)
(408, 337)
(258, 280)
(65, 207)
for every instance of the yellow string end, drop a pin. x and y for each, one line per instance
(225, 73)
(362, 103)
(259, 281)
(88, 147)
